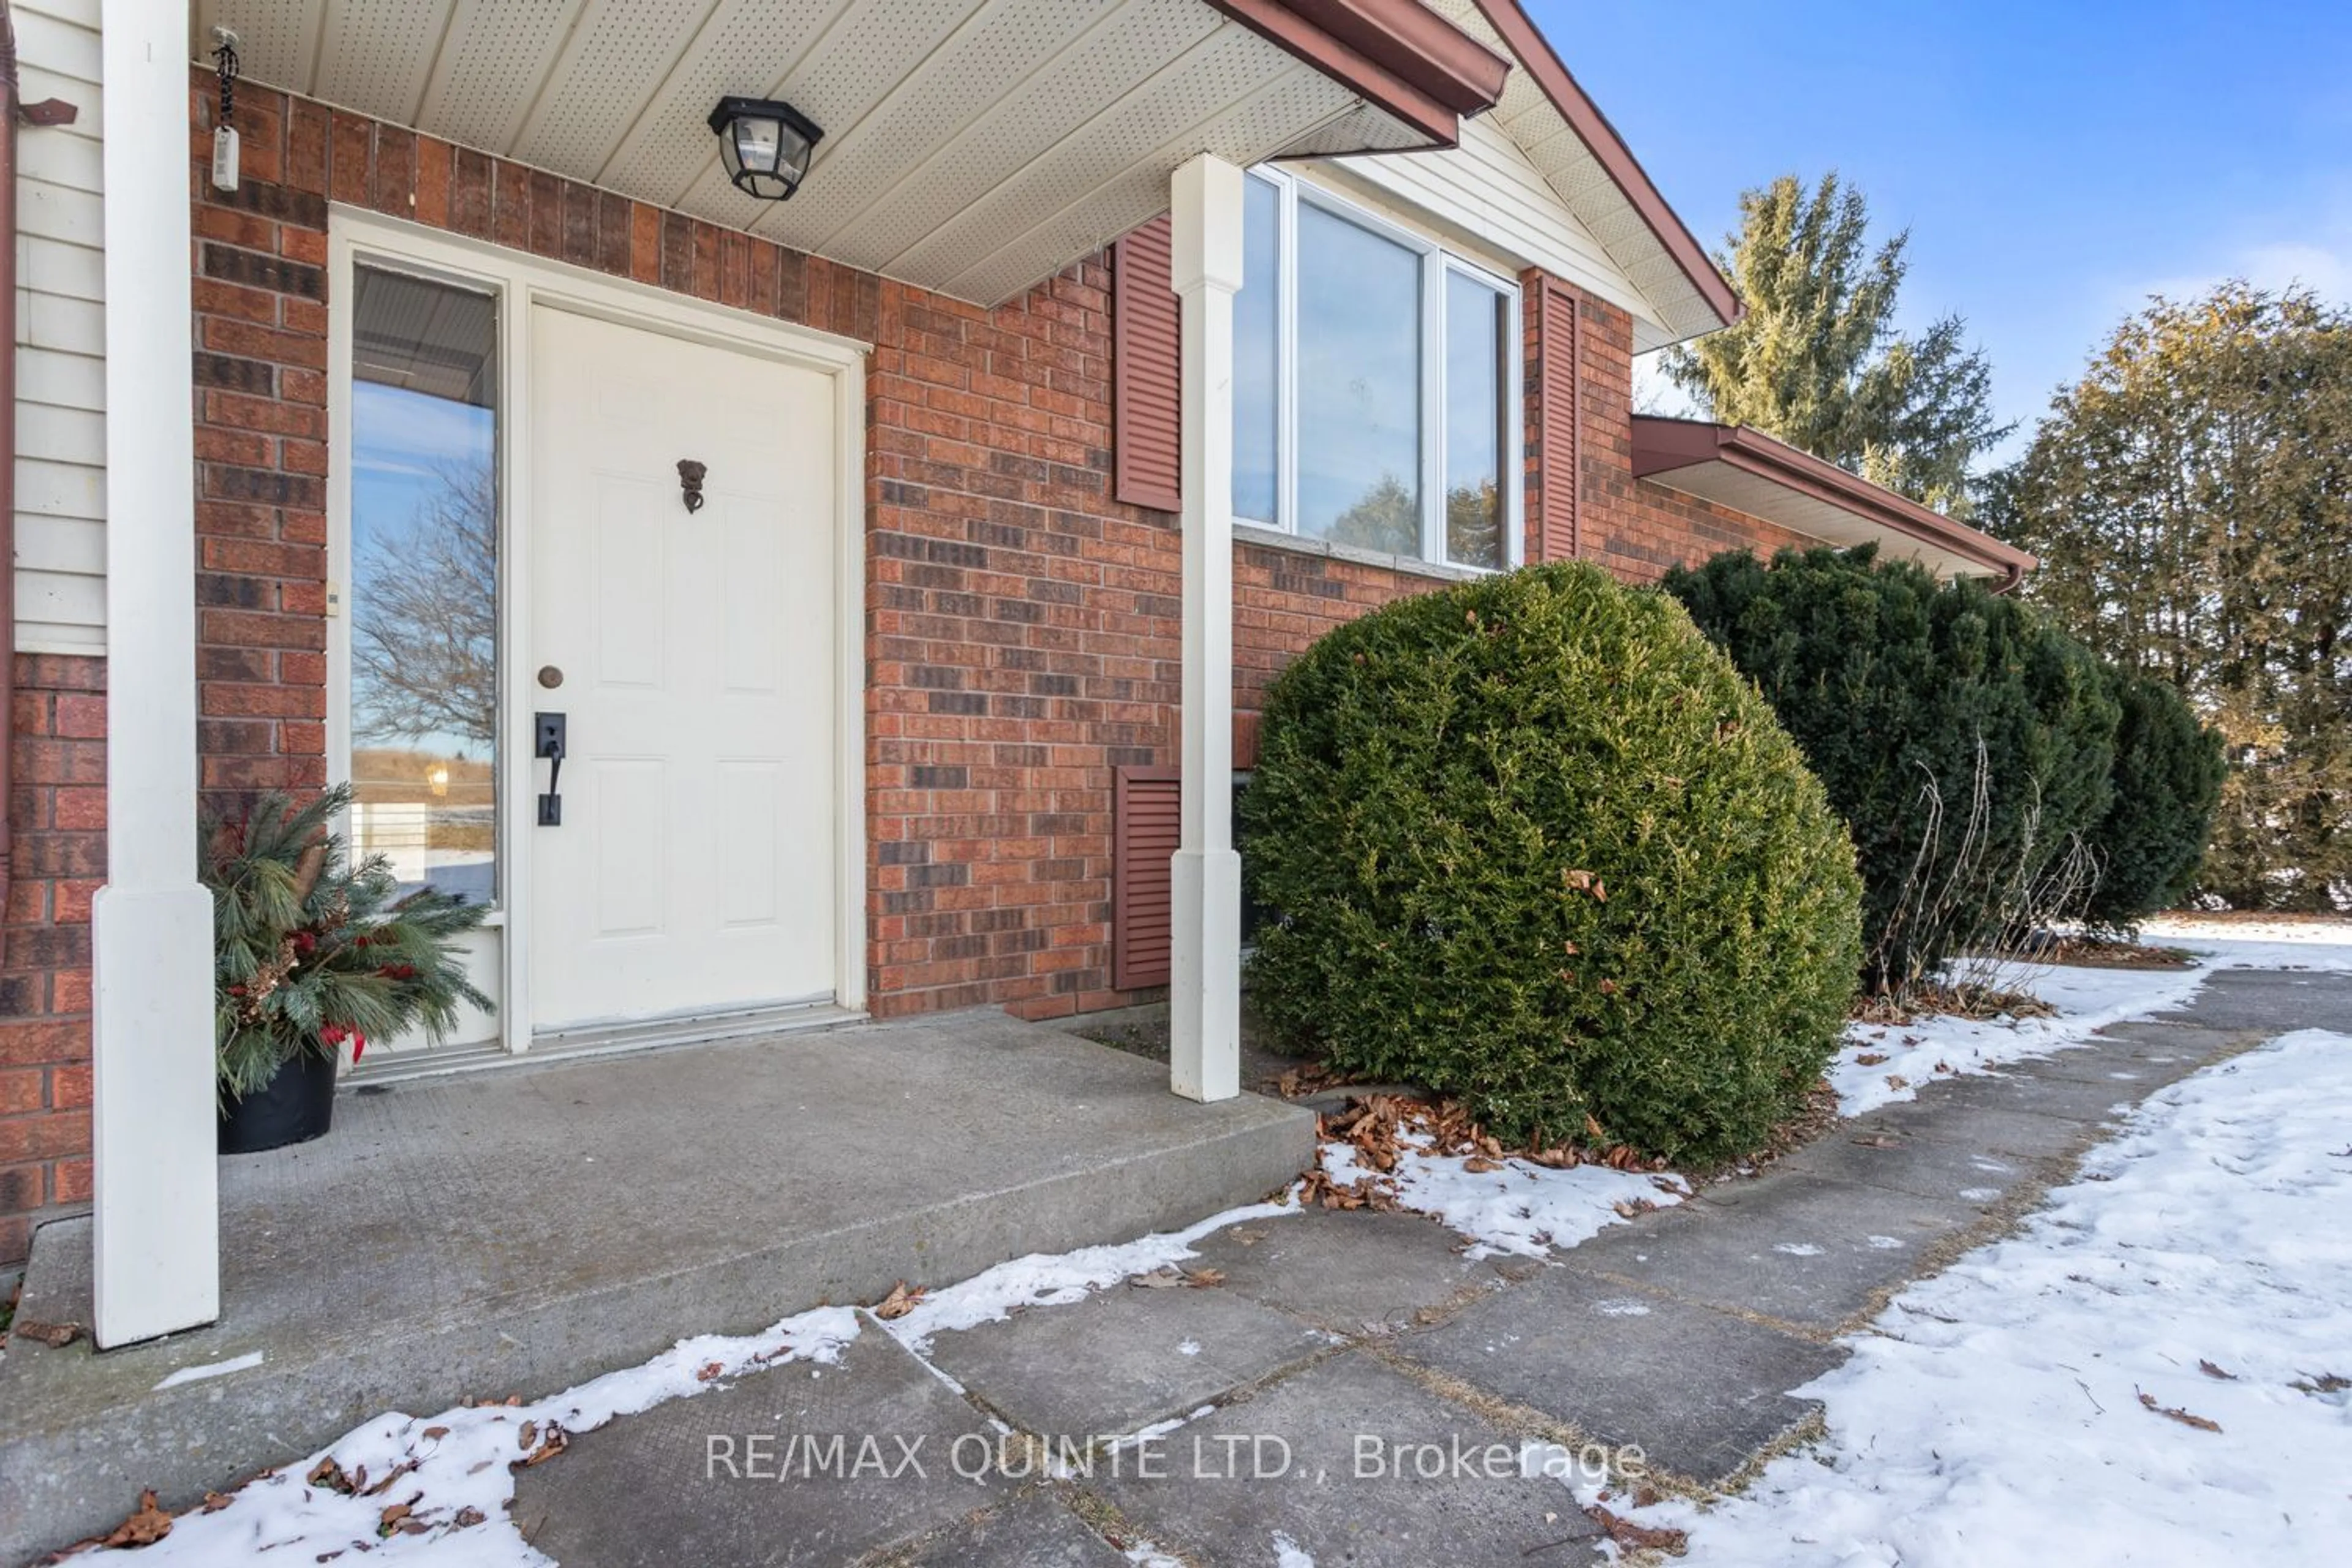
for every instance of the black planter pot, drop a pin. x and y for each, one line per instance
(294, 1107)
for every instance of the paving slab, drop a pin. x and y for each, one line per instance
(1792, 1247)
(1877, 1156)
(1034, 1531)
(1352, 1272)
(645, 1493)
(1296, 1475)
(2269, 1001)
(2000, 1131)
(2090, 1103)
(1698, 1390)
(1122, 1358)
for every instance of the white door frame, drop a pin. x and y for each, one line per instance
(521, 283)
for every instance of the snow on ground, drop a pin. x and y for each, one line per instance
(450, 1472)
(2152, 1370)
(2086, 1000)
(1520, 1207)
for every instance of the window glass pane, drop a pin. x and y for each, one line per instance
(1476, 319)
(1358, 385)
(1256, 354)
(423, 591)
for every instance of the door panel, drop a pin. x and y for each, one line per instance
(695, 868)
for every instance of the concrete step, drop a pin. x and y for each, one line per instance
(524, 1230)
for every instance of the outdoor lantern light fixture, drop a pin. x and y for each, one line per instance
(764, 144)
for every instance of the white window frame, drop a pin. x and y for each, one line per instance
(1437, 264)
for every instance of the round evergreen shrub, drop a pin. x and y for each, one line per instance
(1533, 842)
(1966, 742)
(2167, 779)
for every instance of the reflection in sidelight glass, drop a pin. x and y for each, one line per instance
(1476, 319)
(424, 573)
(1257, 352)
(1358, 385)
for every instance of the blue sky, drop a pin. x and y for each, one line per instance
(2054, 162)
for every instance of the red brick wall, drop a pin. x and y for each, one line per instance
(56, 811)
(1635, 528)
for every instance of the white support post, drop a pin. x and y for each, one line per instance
(1205, 978)
(157, 1225)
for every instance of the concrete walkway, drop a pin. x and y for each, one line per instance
(1339, 1346)
(534, 1227)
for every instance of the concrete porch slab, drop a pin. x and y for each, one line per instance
(523, 1230)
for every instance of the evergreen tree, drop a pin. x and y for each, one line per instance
(1817, 361)
(2191, 501)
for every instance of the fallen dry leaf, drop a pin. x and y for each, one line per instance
(1205, 1278)
(1896, 1080)
(469, 1517)
(1869, 1058)
(1166, 1278)
(527, 1437)
(1628, 1207)
(1479, 1166)
(328, 1474)
(709, 1370)
(216, 1501)
(1635, 1537)
(437, 1433)
(2210, 1370)
(899, 1301)
(556, 1440)
(56, 1336)
(145, 1527)
(392, 1517)
(2172, 1413)
(1879, 1141)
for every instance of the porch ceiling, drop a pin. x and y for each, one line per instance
(972, 146)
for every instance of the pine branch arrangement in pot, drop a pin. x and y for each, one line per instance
(311, 953)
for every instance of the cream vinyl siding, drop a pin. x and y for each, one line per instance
(60, 337)
(1485, 200)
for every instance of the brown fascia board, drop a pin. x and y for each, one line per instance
(1661, 446)
(1593, 128)
(1396, 54)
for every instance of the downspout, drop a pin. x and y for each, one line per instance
(51, 112)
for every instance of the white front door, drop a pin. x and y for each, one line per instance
(692, 656)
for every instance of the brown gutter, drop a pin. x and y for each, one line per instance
(1593, 128)
(1397, 54)
(50, 111)
(1663, 446)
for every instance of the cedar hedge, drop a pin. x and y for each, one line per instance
(1532, 842)
(2167, 780)
(1967, 743)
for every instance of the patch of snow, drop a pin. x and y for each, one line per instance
(1979, 1195)
(1885, 1243)
(1797, 1248)
(1190, 1347)
(2086, 1000)
(1622, 1308)
(2036, 1398)
(1040, 1280)
(1145, 1554)
(1287, 1554)
(210, 1369)
(1522, 1208)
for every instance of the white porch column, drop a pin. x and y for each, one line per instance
(1205, 979)
(158, 1220)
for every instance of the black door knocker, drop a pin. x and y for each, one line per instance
(689, 481)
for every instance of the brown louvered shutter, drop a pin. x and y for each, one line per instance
(1558, 429)
(1146, 357)
(1144, 833)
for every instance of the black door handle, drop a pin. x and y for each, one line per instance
(546, 740)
